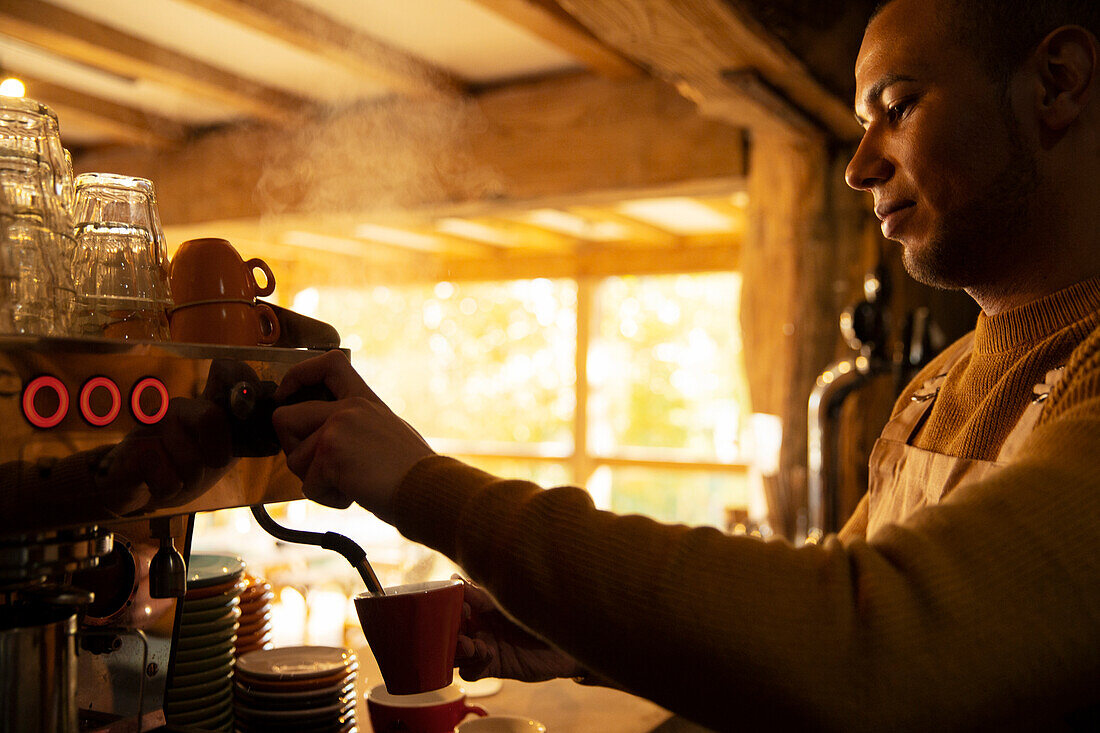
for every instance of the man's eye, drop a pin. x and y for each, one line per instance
(896, 111)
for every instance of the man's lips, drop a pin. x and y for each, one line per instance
(890, 213)
(883, 209)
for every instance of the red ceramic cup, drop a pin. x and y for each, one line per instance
(232, 323)
(211, 269)
(412, 631)
(438, 711)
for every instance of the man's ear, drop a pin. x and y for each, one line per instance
(1067, 62)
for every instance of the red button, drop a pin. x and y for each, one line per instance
(135, 400)
(31, 412)
(86, 401)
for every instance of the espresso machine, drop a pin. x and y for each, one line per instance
(94, 533)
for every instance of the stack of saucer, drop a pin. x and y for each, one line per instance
(199, 693)
(296, 688)
(254, 628)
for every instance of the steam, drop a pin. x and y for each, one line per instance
(391, 155)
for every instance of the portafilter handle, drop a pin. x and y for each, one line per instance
(352, 552)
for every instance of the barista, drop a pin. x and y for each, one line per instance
(965, 593)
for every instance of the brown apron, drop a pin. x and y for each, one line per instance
(904, 478)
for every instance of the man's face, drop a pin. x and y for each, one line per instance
(944, 161)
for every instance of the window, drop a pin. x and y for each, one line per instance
(488, 371)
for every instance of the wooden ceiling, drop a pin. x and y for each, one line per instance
(572, 105)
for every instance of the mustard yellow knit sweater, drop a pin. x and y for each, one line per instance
(981, 612)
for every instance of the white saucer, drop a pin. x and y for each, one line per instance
(483, 687)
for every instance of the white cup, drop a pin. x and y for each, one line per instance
(502, 724)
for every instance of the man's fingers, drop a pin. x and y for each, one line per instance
(296, 423)
(316, 484)
(464, 649)
(478, 600)
(473, 658)
(300, 459)
(331, 369)
(326, 495)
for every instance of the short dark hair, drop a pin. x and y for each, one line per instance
(1003, 32)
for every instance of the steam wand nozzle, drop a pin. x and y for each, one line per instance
(352, 552)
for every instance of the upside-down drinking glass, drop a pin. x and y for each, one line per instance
(36, 293)
(120, 266)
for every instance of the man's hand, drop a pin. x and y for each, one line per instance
(351, 449)
(492, 645)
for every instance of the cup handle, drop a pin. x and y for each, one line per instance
(269, 324)
(257, 264)
(475, 709)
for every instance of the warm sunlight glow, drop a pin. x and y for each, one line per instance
(399, 237)
(678, 215)
(12, 87)
(577, 226)
(475, 231)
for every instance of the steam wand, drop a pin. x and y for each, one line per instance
(352, 552)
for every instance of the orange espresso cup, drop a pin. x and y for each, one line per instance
(232, 323)
(211, 269)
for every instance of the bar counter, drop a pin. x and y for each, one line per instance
(562, 705)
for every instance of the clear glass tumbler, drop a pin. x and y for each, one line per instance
(33, 128)
(30, 297)
(120, 265)
(34, 257)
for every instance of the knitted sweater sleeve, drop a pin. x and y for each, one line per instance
(985, 608)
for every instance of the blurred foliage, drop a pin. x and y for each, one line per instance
(476, 361)
(494, 363)
(688, 497)
(665, 365)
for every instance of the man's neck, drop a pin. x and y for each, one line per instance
(1060, 247)
(994, 300)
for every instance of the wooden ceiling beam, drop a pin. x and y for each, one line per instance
(638, 233)
(96, 44)
(592, 261)
(122, 124)
(317, 33)
(367, 233)
(457, 247)
(517, 234)
(711, 50)
(559, 142)
(547, 21)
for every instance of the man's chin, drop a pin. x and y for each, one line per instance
(926, 264)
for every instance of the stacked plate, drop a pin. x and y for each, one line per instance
(296, 688)
(254, 627)
(200, 686)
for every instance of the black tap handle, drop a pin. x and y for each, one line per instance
(167, 569)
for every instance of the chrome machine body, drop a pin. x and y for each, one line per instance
(89, 577)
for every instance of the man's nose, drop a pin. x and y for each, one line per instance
(868, 167)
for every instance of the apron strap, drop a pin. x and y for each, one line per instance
(1023, 427)
(908, 422)
(903, 427)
